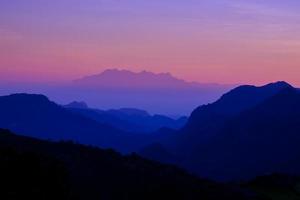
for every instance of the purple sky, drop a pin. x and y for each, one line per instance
(225, 41)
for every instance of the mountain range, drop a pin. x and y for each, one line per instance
(128, 119)
(115, 78)
(155, 92)
(249, 131)
(37, 116)
(124, 129)
(159, 93)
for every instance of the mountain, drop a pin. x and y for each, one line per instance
(129, 119)
(37, 169)
(248, 132)
(144, 79)
(236, 101)
(276, 186)
(150, 122)
(77, 105)
(154, 92)
(259, 141)
(36, 116)
(206, 120)
(157, 93)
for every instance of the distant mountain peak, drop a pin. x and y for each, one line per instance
(77, 104)
(114, 71)
(143, 72)
(124, 72)
(117, 78)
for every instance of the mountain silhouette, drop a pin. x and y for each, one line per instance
(259, 141)
(275, 186)
(155, 92)
(129, 119)
(206, 120)
(248, 132)
(77, 105)
(236, 101)
(36, 116)
(143, 79)
(37, 169)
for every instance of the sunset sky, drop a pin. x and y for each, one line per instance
(223, 41)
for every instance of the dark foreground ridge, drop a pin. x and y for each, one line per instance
(36, 169)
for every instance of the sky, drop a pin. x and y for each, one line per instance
(222, 41)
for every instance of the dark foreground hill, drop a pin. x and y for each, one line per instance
(276, 186)
(35, 169)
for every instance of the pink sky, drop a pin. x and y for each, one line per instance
(224, 41)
